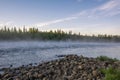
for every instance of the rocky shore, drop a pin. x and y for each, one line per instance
(71, 67)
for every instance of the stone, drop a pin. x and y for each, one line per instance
(71, 67)
(95, 73)
(80, 67)
(7, 75)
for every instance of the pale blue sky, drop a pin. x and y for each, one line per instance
(85, 16)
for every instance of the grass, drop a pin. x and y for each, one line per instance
(111, 74)
(105, 58)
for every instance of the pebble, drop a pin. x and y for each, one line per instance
(71, 67)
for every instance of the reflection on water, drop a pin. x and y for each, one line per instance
(23, 52)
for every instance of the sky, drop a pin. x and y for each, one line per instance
(84, 16)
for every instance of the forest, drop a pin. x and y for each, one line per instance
(56, 35)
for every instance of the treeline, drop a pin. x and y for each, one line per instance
(35, 34)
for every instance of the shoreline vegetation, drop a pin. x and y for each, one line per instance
(69, 67)
(14, 33)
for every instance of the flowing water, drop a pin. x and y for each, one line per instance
(23, 52)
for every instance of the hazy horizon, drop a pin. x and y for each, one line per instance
(85, 16)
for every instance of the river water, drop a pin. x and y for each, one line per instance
(26, 52)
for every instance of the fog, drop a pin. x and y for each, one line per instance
(25, 52)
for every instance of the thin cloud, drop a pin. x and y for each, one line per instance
(109, 5)
(108, 9)
(55, 21)
(111, 8)
(94, 0)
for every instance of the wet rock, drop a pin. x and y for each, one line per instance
(60, 55)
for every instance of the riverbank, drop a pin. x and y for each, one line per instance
(71, 67)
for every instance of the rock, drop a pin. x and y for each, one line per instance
(60, 55)
(7, 75)
(39, 75)
(11, 78)
(80, 67)
(0, 76)
(11, 66)
(71, 67)
(95, 73)
(90, 77)
(17, 78)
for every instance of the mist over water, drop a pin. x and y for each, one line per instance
(25, 52)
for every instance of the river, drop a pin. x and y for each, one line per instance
(25, 52)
